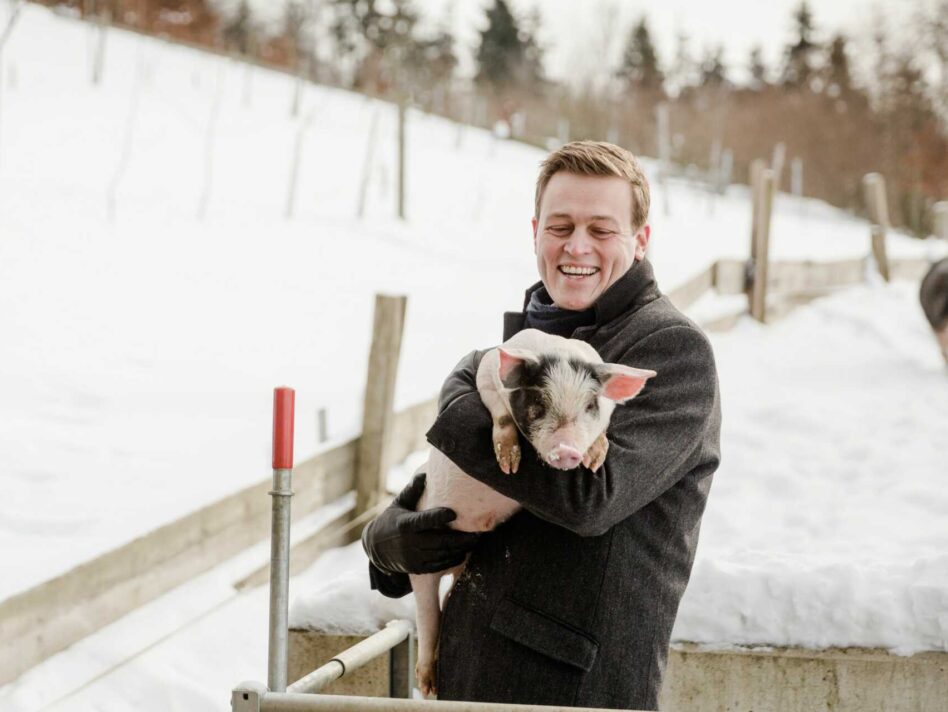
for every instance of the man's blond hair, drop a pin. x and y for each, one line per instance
(598, 158)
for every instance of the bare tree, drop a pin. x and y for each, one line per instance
(7, 31)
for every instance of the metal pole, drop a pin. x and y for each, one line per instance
(283, 401)
(289, 702)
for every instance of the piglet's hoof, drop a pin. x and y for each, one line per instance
(596, 454)
(507, 448)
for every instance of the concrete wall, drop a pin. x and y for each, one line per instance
(740, 680)
(842, 680)
(385, 676)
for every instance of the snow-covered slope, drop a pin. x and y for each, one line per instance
(139, 344)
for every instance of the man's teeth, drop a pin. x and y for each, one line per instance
(578, 270)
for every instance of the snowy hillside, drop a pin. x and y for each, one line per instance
(139, 344)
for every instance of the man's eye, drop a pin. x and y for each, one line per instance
(560, 229)
(602, 232)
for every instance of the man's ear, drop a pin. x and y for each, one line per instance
(641, 241)
(533, 222)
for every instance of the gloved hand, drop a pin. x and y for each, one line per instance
(401, 540)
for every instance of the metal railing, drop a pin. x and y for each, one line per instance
(302, 695)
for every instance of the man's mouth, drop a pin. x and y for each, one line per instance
(576, 271)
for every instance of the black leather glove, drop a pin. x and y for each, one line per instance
(401, 540)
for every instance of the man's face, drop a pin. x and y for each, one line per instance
(583, 238)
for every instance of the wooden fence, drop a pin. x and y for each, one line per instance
(43, 620)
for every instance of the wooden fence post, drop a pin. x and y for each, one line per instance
(874, 187)
(562, 131)
(662, 120)
(377, 415)
(756, 168)
(776, 164)
(322, 428)
(940, 211)
(367, 164)
(402, 109)
(764, 197)
(796, 177)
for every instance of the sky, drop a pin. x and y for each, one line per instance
(573, 31)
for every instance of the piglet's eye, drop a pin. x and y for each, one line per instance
(591, 407)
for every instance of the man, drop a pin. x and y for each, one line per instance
(572, 601)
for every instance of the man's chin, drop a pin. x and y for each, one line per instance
(573, 301)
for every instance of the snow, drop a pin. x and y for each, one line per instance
(139, 352)
(826, 521)
(337, 597)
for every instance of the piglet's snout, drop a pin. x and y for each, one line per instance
(564, 457)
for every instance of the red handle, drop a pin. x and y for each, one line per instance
(283, 400)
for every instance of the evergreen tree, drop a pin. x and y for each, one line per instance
(838, 66)
(713, 71)
(640, 68)
(508, 55)
(799, 69)
(758, 70)
(238, 32)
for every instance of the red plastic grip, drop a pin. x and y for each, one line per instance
(283, 402)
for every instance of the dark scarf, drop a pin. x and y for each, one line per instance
(544, 315)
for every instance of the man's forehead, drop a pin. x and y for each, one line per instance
(582, 197)
(570, 215)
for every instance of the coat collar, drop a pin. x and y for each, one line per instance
(635, 289)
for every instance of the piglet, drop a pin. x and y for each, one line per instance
(559, 395)
(933, 295)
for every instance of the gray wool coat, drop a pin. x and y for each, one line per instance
(572, 601)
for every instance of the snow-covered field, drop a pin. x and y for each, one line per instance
(139, 351)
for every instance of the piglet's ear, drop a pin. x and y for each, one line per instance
(511, 361)
(622, 383)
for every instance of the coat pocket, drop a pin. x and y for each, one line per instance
(544, 634)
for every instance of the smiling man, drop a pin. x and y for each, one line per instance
(572, 601)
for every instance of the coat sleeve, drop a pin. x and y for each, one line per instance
(652, 438)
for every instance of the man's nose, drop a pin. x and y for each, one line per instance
(579, 243)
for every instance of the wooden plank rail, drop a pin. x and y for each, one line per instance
(686, 294)
(788, 276)
(764, 193)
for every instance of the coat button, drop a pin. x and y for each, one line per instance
(447, 445)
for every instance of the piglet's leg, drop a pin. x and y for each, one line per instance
(428, 618)
(504, 433)
(596, 454)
